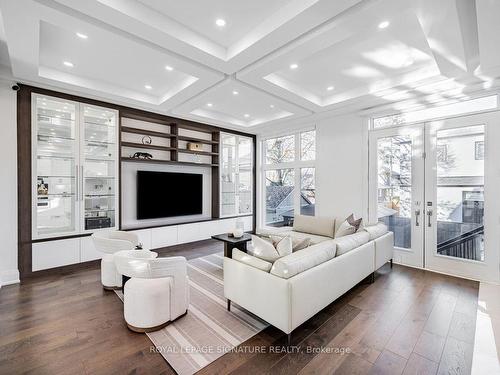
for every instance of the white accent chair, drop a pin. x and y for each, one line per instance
(156, 294)
(109, 242)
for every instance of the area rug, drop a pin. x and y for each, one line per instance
(208, 331)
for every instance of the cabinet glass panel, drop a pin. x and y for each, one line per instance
(99, 167)
(245, 175)
(236, 175)
(228, 175)
(55, 149)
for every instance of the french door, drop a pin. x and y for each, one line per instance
(434, 185)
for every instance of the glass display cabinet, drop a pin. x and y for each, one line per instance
(236, 175)
(74, 150)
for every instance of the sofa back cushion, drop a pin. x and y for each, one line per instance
(250, 260)
(303, 260)
(265, 250)
(321, 226)
(352, 241)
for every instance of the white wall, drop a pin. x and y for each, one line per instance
(342, 167)
(8, 185)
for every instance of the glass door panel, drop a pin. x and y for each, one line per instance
(99, 167)
(460, 188)
(396, 196)
(55, 150)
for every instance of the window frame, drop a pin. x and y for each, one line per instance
(296, 165)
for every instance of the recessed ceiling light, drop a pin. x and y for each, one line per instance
(82, 36)
(383, 25)
(220, 22)
(246, 115)
(148, 87)
(169, 68)
(209, 104)
(294, 66)
(68, 64)
(330, 88)
(271, 106)
(235, 92)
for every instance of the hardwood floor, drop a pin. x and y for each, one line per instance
(407, 322)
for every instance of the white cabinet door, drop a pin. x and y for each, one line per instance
(144, 238)
(52, 254)
(189, 233)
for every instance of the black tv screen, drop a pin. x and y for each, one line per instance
(167, 194)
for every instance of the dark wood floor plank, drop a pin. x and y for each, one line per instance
(456, 357)
(388, 363)
(430, 346)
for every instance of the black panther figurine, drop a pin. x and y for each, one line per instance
(142, 155)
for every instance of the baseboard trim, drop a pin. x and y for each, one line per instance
(9, 277)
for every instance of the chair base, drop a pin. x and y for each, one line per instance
(155, 328)
(111, 288)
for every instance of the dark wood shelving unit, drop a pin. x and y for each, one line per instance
(186, 151)
(159, 161)
(197, 140)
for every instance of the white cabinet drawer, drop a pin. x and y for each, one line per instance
(164, 236)
(87, 250)
(52, 254)
(189, 233)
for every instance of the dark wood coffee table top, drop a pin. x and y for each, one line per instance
(232, 240)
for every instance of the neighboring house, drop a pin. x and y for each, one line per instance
(279, 204)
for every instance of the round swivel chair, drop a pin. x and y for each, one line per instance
(157, 292)
(109, 242)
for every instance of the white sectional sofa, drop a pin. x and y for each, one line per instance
(295, 287)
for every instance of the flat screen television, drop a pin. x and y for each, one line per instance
(167, 194)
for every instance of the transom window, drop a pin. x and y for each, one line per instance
(289, 162)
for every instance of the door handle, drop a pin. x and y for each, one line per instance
(417, 215)
(77, 183)
(429, 214)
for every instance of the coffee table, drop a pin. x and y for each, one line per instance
(231, 242)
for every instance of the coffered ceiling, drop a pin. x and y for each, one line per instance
(253, 64)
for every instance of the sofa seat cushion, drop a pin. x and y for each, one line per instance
(321, 226)
(250, 260)
(376, 231)
(265, 250)
(303, 260)
(350, 242)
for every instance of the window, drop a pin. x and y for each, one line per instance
(307, 191)
(469, 106)
(289, 163)
(280, 150)
(308, 145)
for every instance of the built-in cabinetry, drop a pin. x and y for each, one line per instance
(73, 154)
(50, 254)
(74, 167)
(236, 175)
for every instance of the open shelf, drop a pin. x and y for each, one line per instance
(186, 151)
(126, 129)
(197, 140)
(159, 161)
(151, 147)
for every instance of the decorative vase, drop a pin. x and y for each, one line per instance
(239, 229)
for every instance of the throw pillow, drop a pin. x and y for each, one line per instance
(297, 243)
(265, 250)
(348, 226)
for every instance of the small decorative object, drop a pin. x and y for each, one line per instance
(239, 229)
(146, 140)
(142, 155)
(194, 146)
(42, 187)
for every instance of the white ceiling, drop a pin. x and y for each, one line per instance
(430, 52)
